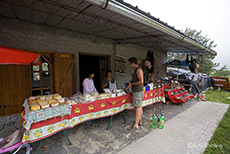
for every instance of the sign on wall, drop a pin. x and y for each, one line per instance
(120, 65)
(221, 82)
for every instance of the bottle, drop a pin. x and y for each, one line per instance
(154, 121)
(151, 119)
(162, 122)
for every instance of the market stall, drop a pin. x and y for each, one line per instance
(83, 112)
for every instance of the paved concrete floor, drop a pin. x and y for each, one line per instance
(184, 134)
(97, 139)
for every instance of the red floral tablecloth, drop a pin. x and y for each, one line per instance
(87, 111)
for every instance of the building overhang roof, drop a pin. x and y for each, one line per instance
(112, 19)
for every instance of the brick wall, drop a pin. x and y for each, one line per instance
(24, 35)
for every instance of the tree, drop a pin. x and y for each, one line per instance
(223, 71)
(196, 35)
(207, 65)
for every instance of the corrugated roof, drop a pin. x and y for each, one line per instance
(86, 17)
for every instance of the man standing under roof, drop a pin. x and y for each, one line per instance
(137, 91)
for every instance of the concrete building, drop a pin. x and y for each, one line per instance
(94, 32)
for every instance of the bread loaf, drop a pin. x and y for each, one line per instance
(61, 103)
(56, 96)
(54, 104)
(42, 98)
(52, 101)
(48, 97)
(35, 107)
(32, 97)
(61, 100)
(43, 102)
(39, 100)
(32, 101)
(45, 106)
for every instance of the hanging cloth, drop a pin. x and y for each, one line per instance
(187, 60)
(9, 56)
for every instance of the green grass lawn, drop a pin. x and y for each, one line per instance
(220, 142)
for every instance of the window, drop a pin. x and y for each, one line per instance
(41, 77)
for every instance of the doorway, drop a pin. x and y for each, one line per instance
(98, 64)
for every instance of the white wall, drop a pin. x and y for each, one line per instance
(24, 35)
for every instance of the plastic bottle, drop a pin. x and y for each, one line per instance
(151, 119)
(154, 121)
(162, 122)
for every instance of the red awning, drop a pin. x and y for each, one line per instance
(17, 57)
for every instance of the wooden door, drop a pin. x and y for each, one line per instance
(14, 88)
(64, 74)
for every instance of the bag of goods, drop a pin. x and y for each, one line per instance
(119, 94)
(87, 96)
(94, 93)
(127, 91)
(79, 97)
(108, 95)
(74, 102)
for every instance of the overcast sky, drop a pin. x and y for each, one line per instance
(210, 16)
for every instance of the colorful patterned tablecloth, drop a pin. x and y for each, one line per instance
(42, 114)
(86, 111)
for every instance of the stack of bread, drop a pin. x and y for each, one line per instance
(42, 102)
